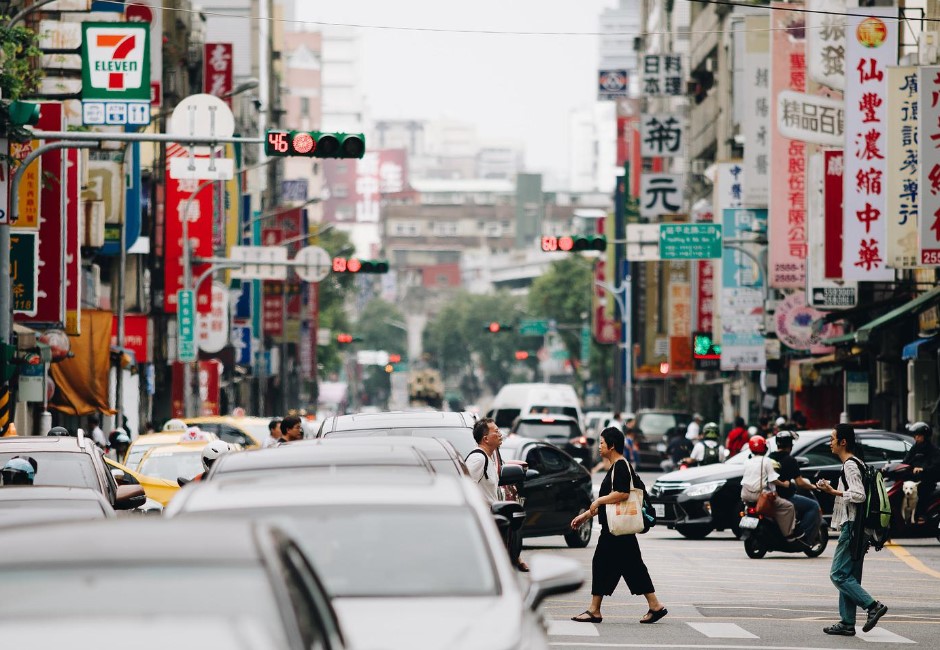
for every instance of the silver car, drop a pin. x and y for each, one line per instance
(410, 561)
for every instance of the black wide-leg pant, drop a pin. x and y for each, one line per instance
(615, 557)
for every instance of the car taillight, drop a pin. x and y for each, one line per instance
(548, 420)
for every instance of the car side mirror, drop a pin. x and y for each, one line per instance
(129, 497)
(511, 475)
(510, 512)
(531, 474)
(802, 461)
(550, 575)
(118, 475)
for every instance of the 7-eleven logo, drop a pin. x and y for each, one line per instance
(116, 59)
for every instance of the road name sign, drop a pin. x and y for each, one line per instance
(689, 241)
(186, 339)
(533, 327)
(255, 258)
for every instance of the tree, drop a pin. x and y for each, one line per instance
(333, 292)
(377, 334)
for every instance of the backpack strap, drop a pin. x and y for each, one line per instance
(486, 462)
(861, 469)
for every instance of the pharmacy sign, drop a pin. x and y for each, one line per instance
(115, 73)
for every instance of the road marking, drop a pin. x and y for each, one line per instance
(881, 635)
(572, 628)
(902, 554)
(722, 630)
(691, 646)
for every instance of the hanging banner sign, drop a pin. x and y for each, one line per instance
(929, 168)
(811, 118)
(825, 35)
(757, 105)
(662, 136)
(901, 179)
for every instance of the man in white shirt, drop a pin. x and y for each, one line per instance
(694, 428)
(846, 571)
(483, 462)
(761, 476)
(274, 434)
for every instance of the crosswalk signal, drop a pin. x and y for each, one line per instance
(346, 339)
(355, 265)
(314, 144)
(496, 327)
(574, 243)
(521, 355)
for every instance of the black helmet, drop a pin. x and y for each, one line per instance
(58, 431)
(786, 437)
(920, 429)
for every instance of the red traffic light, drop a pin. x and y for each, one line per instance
(493, 327)
(353, 265)
(344, 338)
(394, 358)
(521, 355)
(565, 243)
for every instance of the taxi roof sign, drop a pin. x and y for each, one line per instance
(195, 434)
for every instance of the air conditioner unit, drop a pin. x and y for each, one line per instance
(94, 224)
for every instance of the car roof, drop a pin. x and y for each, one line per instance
(546, 418)
(383, 488)
(398, 419)
(142, 540)
(167, 437)
(48, 492)
(177, 448)
(313, 453)
(43, 443)
(433, 448)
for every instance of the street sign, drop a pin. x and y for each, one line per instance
(689, 241)
(115, 73)
(533, 327)
(202, 115)
(317, 264)
(834, 297)
(186, 336)
(612, 84)
(254, 258)
(643, 242)
(372, 357)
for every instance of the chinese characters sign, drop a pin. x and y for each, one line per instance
(930, 165)
(821, 292)
(662, 75)
(756, 105)
(661, 135)
(217, 70)
(742, 297)
(786, 264)
(826, 37)
(901, 180)
(660, 194)
(871, 46)
(833, 188)
(811, 118)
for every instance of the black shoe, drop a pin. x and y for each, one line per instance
(875, 612)
(840, 629)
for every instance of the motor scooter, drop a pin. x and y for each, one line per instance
(895, 475)
(762, 534)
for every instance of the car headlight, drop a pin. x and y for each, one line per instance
(703, 489)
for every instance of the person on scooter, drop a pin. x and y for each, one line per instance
(708, 450)
(807, 509)
(924, 458)
(760, 475)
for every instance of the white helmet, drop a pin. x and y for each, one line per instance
(212, 451)
(174, 425)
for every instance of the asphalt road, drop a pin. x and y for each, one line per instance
(719, 598)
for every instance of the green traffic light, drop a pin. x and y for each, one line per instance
(23, 113)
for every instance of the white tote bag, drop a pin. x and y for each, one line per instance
(625, 517)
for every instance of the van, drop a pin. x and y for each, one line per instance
(514, 400)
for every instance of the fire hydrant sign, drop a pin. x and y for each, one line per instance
(115, 73)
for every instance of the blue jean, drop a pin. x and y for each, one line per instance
(807, 513)
(846, 575)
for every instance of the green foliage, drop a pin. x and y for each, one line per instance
(564, 294)
(373, 326)
(19, 71)
(333, 292)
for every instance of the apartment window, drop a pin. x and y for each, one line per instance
(305, 107)
(340, 192)
(445, 229)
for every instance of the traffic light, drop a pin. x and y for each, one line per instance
(495, 327)
(315, 144)
(394, 358)
(355, 265)
(346, 339)
(389, 368)
(521, 355)
(574, 243)
(706, 354)
(23, 113)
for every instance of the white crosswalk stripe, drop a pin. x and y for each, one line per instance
(572, 628)
(881, 635)
(722, 630)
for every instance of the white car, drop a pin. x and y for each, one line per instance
(411, 561)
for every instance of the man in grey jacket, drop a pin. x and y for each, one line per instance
(846, 573)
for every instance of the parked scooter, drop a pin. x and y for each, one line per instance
(762, 534)
(896, 474)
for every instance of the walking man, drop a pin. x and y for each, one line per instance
(846, 572)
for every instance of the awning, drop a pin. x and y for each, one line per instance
(919, 348)
(82, 380)
(912, 307)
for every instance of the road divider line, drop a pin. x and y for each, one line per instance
(904, 555)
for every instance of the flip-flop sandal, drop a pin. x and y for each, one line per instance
(654, 616)
(590, 617)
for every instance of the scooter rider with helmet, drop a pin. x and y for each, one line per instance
(19, 470)
(924, 458)
(709, 450)
(807, 510)
(760, 475)
(210, 454)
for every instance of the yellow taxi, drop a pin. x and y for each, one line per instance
(170, 462)
(158, 489)
(249, 432)
(145, 443)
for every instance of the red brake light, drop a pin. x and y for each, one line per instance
(548, 420)
(751, 510)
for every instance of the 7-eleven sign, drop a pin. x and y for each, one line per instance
(115, 61)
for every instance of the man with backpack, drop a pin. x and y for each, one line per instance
(850, 508)
(708, 450)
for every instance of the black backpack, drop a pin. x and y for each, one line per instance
(873, 516)
(711, 455)
(486, 462)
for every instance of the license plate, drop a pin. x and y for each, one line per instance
(748, 522)
(659, 509)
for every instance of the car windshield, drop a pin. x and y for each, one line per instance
(460, 437)
(61, 468)
(159, 590)
(172, 466)
(137, 451)
(542, 430)
(656, 424)
(257, 431)
(425, 551)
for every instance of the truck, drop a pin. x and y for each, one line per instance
(425, 388)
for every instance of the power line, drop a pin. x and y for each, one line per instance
(803, 10)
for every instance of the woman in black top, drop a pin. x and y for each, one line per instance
(616, 556)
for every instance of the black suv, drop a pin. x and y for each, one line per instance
(698, 500)
(656, 427)
(562, 431)
(72, 462)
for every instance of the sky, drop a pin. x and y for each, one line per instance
(520, 87)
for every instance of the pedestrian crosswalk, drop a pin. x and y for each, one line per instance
(716, 630)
